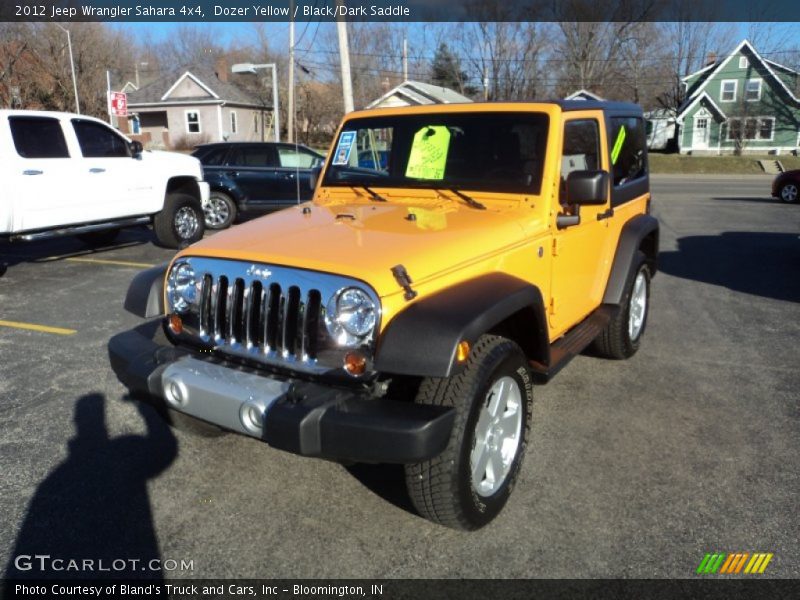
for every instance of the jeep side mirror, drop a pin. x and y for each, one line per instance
(587, 187)
(136, 148)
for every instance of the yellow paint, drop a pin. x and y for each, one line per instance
(348, 233)
(35, 327)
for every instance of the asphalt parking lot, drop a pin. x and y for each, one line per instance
(636, 468)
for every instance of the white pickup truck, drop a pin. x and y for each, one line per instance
(69, 174)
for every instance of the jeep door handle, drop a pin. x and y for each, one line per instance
(606, 215)
(32, 172)
(97, 170)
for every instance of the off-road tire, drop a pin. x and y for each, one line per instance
(442, 489)
(168, 232)
(99, 238)
(229, 208)
(615, 340)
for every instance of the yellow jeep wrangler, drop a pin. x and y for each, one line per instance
(452, 256)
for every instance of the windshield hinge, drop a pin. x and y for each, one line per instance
(405, 281)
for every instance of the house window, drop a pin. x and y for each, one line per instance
(752, 129)
(255, 122)
(233, 122)
(192, 122)
(742, 62)
(728, 90)
(752, 90)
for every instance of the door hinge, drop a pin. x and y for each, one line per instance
(555, 247)
(552, 308)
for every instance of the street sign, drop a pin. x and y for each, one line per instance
(119, 103)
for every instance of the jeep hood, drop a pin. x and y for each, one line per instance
(365, 241)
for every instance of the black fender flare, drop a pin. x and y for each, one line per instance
(145, 296)
(631, 237)
(422, 340)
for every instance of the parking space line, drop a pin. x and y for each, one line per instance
(119, 263)
(35, 327)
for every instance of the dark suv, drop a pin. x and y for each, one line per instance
(255, 176)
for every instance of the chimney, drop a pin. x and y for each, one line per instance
(711, 58)
(221, 70)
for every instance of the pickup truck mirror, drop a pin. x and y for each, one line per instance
(587, 187)
(136, 148)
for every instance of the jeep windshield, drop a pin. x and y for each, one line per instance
(480, 151)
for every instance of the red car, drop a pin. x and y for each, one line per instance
(787, 185)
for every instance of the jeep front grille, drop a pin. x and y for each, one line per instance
(266, 313)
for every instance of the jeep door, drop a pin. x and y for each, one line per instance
(43, 182)
(115, 183)
(254, 170)
(581, 256)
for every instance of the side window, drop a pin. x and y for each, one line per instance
(252, 157)
(234, 127)
(38, 137)
(214, 157)
(290, 157)
(581, 150)
(628, 149)
(98, 141)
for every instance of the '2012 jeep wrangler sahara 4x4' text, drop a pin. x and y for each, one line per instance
(404, 314)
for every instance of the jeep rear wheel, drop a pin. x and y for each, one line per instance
(180, 222)
(470, 482)
(220, 211)
(623, 334)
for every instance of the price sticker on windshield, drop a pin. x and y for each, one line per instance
(344, 148)
(429, 153)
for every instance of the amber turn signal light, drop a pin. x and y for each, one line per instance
(175, 324)
(355, 363)
(462, 352)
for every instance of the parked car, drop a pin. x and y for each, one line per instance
(255, 176)
(69, 174)
(786, 186)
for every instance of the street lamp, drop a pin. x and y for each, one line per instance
(251, 68)
(72, 67)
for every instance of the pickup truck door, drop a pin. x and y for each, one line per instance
(254, 170)
(41, 168)
(115, 183)
(581, 259)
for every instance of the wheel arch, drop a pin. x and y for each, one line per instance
(183, 185)
(640, 234)
(423, 339)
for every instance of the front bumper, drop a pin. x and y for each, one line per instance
(305, 418)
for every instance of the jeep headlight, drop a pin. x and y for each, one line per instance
(350, 316)
(181, 287)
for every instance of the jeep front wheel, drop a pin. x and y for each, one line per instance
(180, 222)
(467, 485)
(623, 334)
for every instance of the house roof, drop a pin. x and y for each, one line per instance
(695, 101)
(712, 70)
(158, 92)
(416, 92)
(583, 95)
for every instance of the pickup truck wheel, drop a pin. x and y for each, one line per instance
(219, 210)
(469, 483)
(623, 334)
(180, 222)
(789, 193)
(98, 238)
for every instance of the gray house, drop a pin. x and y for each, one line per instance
(199, 106)
(416, 93)
(742, 103)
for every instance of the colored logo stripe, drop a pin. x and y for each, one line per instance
(732, 563)
(618, 145)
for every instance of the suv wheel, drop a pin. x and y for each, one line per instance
(469, 483)
(219, 210)
(623, 334)
(789, 192)
(180, 222)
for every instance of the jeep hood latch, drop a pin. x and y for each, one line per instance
(405, 281)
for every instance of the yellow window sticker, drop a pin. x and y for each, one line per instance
(429, 153)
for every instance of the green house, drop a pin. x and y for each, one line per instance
(741, 104)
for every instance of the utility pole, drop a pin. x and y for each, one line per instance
(405, 58)
(344, 54)
(290, 121)
(72, 67)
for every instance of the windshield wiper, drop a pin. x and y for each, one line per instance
(375, 195)
(471, 201)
